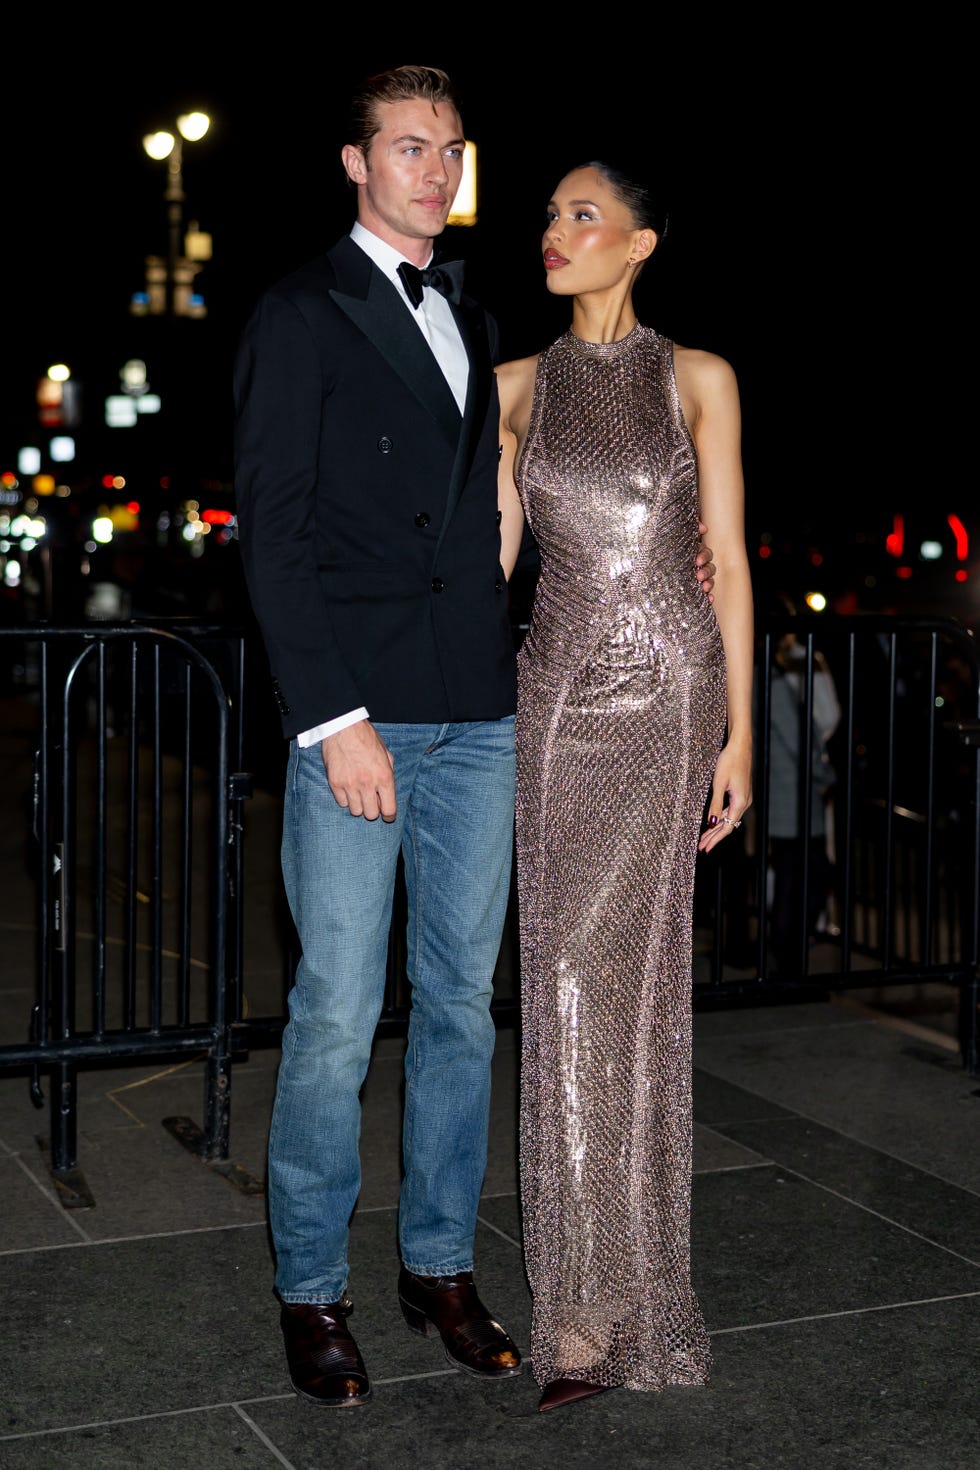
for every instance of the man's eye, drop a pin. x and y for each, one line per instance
(454, 152)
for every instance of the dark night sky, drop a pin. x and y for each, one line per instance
(810, 242)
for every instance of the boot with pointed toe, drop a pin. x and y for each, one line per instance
(448, 1307)
(562, 1391)
(325, 1365)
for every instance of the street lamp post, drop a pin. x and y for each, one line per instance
(182, 264)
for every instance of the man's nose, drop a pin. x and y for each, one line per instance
(437, 171)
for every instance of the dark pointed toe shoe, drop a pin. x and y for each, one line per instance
(562, 1391)
(325, 1365)
(448, 1307)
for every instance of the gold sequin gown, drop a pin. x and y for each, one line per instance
(621, 713)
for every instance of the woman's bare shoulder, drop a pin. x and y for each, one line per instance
(518, 370)
(515, 381)
(703, 369)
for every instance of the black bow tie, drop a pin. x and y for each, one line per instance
(446, 278)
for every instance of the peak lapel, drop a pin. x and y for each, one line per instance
(375, 307)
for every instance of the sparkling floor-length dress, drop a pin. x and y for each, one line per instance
(621, 716)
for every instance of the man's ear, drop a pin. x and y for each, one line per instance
(355, 164)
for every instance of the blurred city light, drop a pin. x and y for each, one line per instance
(463, 211)
(29, 460)
(120, 411)
(169, 279)
(193, 125)
(962, 539)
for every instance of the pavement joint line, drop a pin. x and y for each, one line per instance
(738, 1168)
(53, 1200)
(926, 1301)
(497, 1231)
(234, 1404)
(797, 1116)
(25, 1250)
(877, 1215)
(263, 1438)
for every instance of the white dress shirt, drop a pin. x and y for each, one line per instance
(437, 324)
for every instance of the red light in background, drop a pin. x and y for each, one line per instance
(962, 539)
(765, 551)
(895, 540)
(903, 572)
(816, 559)
(108, 481)
(133, 506)
(961, 574)
(217, 517)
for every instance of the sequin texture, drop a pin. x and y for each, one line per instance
(621, 715)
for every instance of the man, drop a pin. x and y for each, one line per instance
(366, 461)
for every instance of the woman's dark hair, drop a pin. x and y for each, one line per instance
(646, 213)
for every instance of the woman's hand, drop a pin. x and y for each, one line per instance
(731, 794)
(704, 564)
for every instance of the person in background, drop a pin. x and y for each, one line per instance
(796, 905)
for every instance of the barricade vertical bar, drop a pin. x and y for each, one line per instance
(846, 836)
(132, 838)
(805, 795)
(156, 885)
(887, 901)
(217, 1102)
(762, 855)
(928, 890)
(64, 1132)
(241, 790)
(42, 835)
(968, 1019)
(187, 819)
(99, 866)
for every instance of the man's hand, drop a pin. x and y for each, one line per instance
(360, 772)
(704, 566)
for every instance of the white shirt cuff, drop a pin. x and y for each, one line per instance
(320, 732)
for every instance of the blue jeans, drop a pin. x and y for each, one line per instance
(455, 790)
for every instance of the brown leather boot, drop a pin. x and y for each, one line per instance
(324, 1363)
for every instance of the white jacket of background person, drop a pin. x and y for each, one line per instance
(788, 693)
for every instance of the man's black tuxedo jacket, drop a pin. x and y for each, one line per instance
(367, 505)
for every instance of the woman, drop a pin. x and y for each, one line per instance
(615, 441)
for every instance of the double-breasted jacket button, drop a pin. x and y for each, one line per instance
(498, 586)
(500, 516)
(437, 584)
(385, 444)
(423, 518)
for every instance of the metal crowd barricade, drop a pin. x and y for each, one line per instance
(905, 823)
(137, 852)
